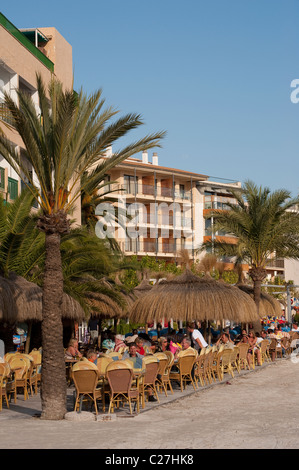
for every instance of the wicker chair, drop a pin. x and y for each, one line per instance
(120, 377)
(37, 359)
(148, 382)
(198, 370)
(226, 365)
(207, 367)
(264, 345)
(166, 378)
(86, 381)
(286, 344)
(234, 359)
(185, 364)
(242, 359)
(217, 364)
(3, 380)
(163, 371)
(20, 367)
(273, 349)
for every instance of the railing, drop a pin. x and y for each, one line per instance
(166, 192)
(275, 263)
(5, 114)
(132, 244)
(26, 43)
(148, 190)
(167, 248)
(150, 247)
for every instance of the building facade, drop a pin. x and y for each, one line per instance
(23, 54)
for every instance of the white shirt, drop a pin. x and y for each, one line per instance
(197, 334)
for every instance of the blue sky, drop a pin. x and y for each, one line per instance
(216, 75)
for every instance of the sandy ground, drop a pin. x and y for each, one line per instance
(257, 410)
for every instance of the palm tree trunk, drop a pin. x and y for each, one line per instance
(257, 274)
(53, 386)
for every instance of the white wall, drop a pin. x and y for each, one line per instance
(292, 270)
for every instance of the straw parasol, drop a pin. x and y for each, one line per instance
(268, 304)
(143, 288)
(189, 297)
(105, 307)
(21, 301)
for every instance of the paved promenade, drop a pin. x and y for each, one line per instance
(256, 409)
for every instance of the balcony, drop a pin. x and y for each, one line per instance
(152, 247)
(166, 192)
(218, 202)
(148, 190)
(275, 263)
(132, 244)
(5, 114)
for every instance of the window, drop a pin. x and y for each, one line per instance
(12, 188)
(2, 178)
(130, 184)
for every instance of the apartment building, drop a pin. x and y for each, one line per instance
(23, 53)
(159, 202)
(167, 208)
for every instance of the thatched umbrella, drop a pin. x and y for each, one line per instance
(143, 288)
(188, 297)
(268, 304)
(21, 301)
(104, 306)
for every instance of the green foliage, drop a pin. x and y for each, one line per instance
(129, 278)
(69, 141)
(231, 277)
(262, 222)
(123, 327)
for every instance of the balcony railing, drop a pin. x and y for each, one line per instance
(5, 114)
(132, 244)
(150, 247)
(166, 192)
(275, 263)
(148, 190)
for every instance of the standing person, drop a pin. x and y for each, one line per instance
(198, 340)
(93, 329)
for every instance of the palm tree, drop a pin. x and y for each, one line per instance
(264, 224)
(68, 138)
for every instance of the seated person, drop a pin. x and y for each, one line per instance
(139, 346)
(242, 338)
(137, 362)
(133, 356)
(225, 341)
(253, 348)
(120, 345)
(72, 352)
(92, 356)
(162, 344)
(185, 344)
